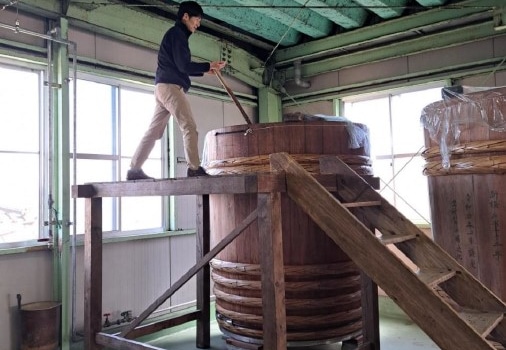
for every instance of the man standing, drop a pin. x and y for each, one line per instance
(172, 81)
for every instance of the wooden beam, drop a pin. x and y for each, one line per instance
(272, 266)
(178, 186)
(161, 325)
(92, 272)
(204, 275)
(115, 342)
(186, 277)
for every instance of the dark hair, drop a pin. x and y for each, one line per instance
(191, 8)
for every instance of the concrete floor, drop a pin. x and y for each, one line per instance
(397, 332)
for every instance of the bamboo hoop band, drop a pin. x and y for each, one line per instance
(474, 147)
(335, 284)
(345, 267)
(477, 157)
(293, 320)
(335, 334)
(291, 303)
(258, 164)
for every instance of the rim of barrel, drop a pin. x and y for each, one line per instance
(40, 305)
(253, 127)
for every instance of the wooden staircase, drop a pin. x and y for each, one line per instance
(442, 297)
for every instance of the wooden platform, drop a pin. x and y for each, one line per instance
(268, 187)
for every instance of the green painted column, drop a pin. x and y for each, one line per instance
(269, 106)
(61, 116)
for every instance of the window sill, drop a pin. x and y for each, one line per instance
(109, 237)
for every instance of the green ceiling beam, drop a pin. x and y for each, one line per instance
(384, 8)
(341, 12)
(250, 21)
(404, 48)
(292, 15)
(431, 2)
(337, 43)
(140, 28)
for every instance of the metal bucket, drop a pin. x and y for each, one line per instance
(40, 325)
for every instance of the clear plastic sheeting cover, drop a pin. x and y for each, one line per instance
(358, 133)
(460, 108)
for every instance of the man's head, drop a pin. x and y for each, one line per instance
(190, 13)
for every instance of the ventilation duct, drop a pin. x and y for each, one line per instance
(298, 73)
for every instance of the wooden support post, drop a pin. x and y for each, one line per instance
(273, 279)
(370, 310)
(203, 276)
(92, 273)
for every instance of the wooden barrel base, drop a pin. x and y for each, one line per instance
(323, 302)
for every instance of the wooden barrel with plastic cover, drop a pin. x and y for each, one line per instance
(466, 169)
(323, 286)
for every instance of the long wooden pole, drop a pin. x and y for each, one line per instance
(231, 94)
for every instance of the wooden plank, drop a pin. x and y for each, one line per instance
(433, 277)
(429, 311)
(362, 204)
(387, 238)
(273, 279)
(92, 272)
(165, 187)
(186, 277)
(158, 326)
(482, 322)
(116, 342)
(204, 275)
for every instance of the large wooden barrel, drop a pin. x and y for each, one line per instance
(323, 286)
(468, 196)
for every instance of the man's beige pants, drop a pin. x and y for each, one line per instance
(170, 100)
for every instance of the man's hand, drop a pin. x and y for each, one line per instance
(216, 65)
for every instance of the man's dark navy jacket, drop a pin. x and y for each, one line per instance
(174, 59)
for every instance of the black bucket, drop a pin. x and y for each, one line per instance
(40, 325)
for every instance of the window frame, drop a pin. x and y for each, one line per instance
(393, 157)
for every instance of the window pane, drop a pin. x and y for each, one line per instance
(375, 114)
(19, 149)
(92, 170)
(142, 212)
(19, 98)
(406, 110)
(96, 118)
(19, 199)
(412, 190)
(136, 111)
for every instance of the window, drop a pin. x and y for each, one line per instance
(110, 121)
(397, 139)
(20, 154)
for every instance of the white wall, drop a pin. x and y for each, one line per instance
(28, 274)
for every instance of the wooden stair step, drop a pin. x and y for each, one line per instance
(482, 322)
(433, 277)
(386, 238)
(362, 204)
(497, 345)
